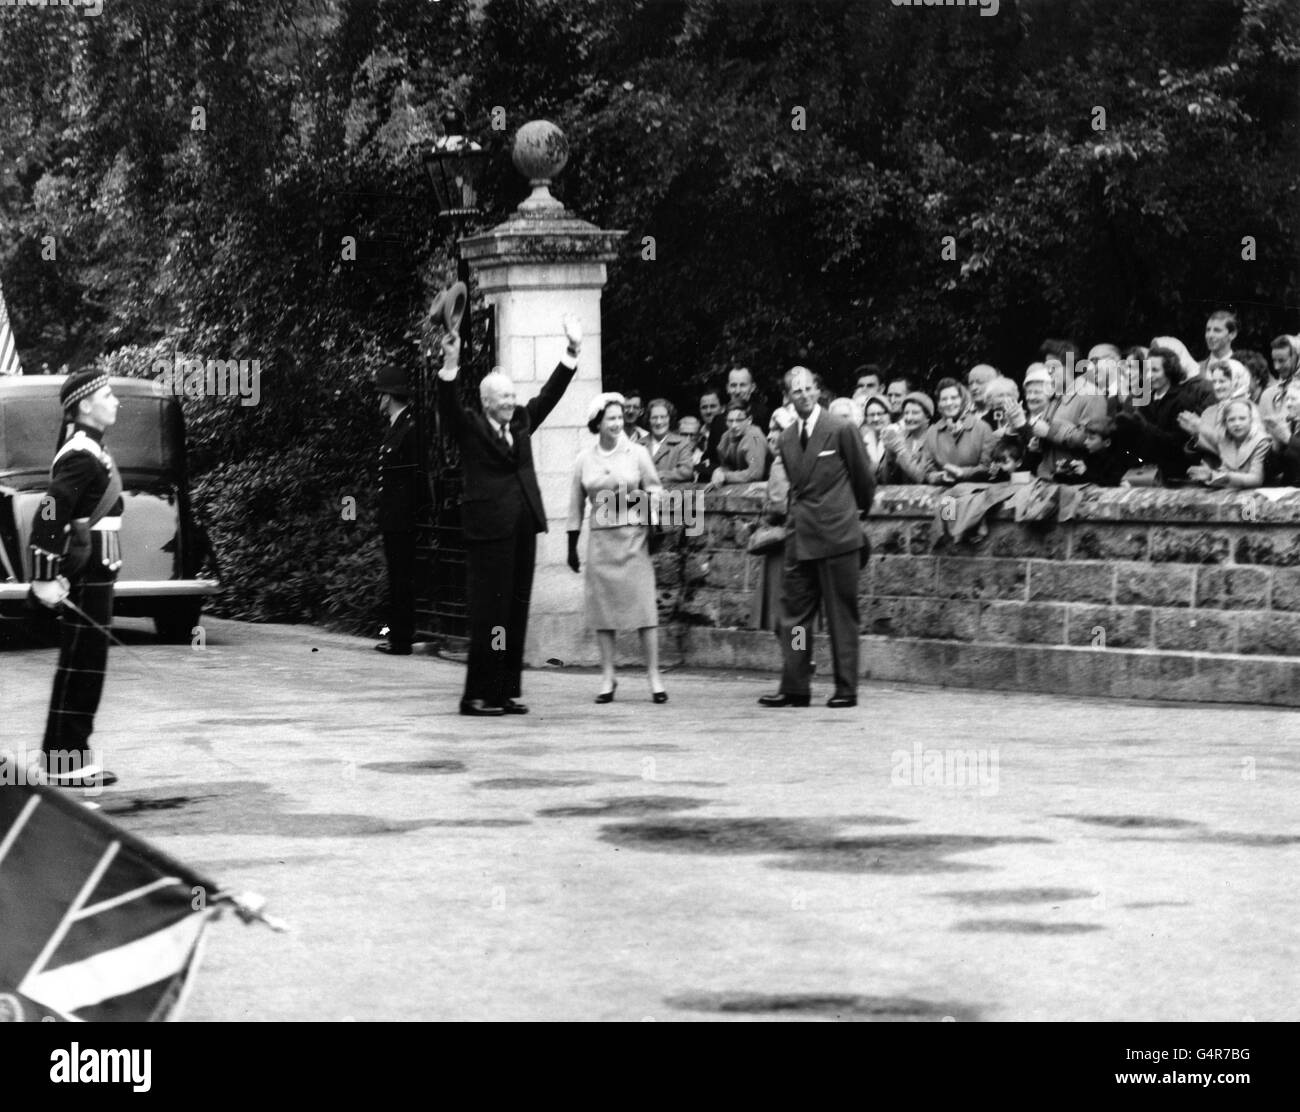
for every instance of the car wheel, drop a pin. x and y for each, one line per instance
(175, 625)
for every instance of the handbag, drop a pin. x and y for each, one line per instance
(766, 538)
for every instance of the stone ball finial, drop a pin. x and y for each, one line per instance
(540, 153)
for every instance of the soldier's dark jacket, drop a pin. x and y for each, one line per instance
(403, 490)
(79, 477)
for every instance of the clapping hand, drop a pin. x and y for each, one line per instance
(1199, 473)
(1189, 422)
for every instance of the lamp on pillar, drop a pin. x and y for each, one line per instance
(454, 164)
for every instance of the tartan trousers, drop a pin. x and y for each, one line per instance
(79, 679)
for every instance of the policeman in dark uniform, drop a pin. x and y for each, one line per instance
(83, 502)
(403, 495)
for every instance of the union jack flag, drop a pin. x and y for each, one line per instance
(97, 924)
(9, 364)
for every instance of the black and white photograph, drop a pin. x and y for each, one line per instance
(849, 449)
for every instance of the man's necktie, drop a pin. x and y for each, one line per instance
(803, 434)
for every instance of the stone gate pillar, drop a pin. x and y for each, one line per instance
(538, 265)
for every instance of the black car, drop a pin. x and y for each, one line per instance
(163, 550)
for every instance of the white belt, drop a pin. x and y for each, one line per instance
(108, 524)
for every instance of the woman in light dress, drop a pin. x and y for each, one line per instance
(618, 481)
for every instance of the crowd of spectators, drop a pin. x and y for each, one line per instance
(1144, 415)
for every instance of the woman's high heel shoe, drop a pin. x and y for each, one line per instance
(607, 696)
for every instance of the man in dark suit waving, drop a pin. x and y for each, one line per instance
(502, 514)
(831, 489)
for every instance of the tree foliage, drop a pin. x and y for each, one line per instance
(772, 242)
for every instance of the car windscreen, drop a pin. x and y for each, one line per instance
(142, 439)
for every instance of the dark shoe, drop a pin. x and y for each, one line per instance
(511, 707)
(607, 696)
(781, 699)
(389, 649)
(479, 709)
(659, 696)
(90, 777)
(842, 701)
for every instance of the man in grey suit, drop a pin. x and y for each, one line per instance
(831, 489)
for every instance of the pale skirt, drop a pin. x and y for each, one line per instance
(620, 584)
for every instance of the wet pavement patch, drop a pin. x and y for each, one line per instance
(524, 783)
(1258, 840)
(1126, 822)
(417, 768)
(1022, 926)
(626, 805)
(246, 807)
(136, 806)
(846, 1008)
(992, 897)
(807, 844)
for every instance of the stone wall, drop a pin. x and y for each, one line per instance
(1187, 594)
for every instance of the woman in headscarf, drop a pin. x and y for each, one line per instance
(874, 411)
(905, 442)
(1191, 368)
(1285, 456)
(959, 446)
(1230, 380)
(1242, 449)
(619, 480)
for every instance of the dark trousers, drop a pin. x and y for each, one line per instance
(79, 679)
(832, 584)
(399, 553)
(500, 581)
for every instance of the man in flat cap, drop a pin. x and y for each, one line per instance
(502, 514)
(76, 555)
(403, 495)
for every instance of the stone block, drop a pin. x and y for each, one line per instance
(938, 620)
(1071, 582)
(1286, 589)
(1109, 627)
(889, 537)
(1195, 631)
(1090, 541)
(1022, 622)
(1012, 540)
(1158, 585)
(1158, 675)
(1268, 633)
(1190, 545)
(1233, 588)
(1279, 547)
(731, 570)
(980, 578)
(902, 575)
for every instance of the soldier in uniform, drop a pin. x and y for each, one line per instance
(83, 502)
(403, 495)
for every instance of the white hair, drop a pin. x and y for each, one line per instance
(494, 382)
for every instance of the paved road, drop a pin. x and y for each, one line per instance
(935, 854)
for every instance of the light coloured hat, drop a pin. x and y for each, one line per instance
(600, 401)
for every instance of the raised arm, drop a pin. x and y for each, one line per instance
(450, 408)
(549, 397)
